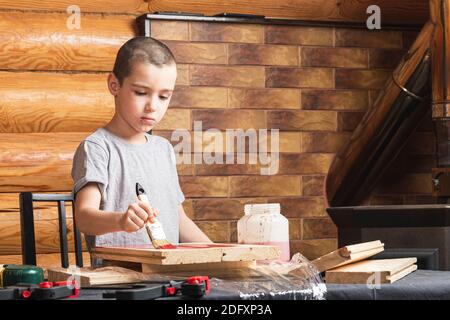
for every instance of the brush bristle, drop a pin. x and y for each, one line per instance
(162, 244)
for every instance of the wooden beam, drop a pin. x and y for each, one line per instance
(406, 12)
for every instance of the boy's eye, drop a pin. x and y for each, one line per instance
(139, 93)
(164, 97)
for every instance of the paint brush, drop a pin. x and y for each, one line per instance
(154, 230)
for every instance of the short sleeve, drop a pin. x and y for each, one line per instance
(90, 164)
(176, 182)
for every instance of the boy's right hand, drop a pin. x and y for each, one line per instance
(137, 215)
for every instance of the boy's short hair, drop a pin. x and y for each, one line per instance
(141, 49)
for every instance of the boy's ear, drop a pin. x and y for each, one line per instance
(113, 84)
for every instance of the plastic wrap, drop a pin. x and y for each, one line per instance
(296, 279)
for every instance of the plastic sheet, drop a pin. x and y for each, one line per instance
(297, 279)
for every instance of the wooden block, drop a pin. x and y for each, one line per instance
(226, 269)
(264, 98)
(348, 254)
(370, 271)
(88, 277)
(188, 253)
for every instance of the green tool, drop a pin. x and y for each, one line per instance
(12, 274)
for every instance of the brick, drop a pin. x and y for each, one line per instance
(262, 186)
(361, 79)
(226, 32)
(263, 54)
(328, 142)
(319, 229)
(197, 187)
(220, 208)
(264, 98)
(301, 207)
(304, 163)
(224, 168)
(182, 75)
(199, 97)
(335, 99)
(385, 58)
(212, 53)
(313, 185)
(348, 121)
(170, 30)
(227, 76)
(299, 35)
(288, 142)
(230, 119)
(368, 38)
(233, 232)
(175, 119)
(299, 78)
(295, 229)
(217, 231)
(313, 249)
(334, 57)
(302, 120)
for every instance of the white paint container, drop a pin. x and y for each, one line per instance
(264, 224)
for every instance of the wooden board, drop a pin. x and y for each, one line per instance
(189, 253)
(378, 271)
(88, 277)
(348, 254)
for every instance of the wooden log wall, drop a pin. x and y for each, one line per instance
(312, 83)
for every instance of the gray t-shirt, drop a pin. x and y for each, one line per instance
(116, 165)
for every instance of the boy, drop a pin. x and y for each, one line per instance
(108, 163)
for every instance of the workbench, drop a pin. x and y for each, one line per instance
(420, 285)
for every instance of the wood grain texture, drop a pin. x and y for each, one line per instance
(49, 260)
(413, 12)
(101, 6)
(42, 41)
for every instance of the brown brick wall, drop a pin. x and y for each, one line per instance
(314, 85)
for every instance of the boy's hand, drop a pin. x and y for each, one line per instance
(137, 215)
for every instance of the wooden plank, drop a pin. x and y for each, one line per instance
(393, 12)
(88, 277)
(228, 269)
(93, 47)
(28, 100)
(45, 261)
(348, 254)
(401, 274)
(192, 253)
(46, 234)
(378, 270)
(103, 6)
(37, 162)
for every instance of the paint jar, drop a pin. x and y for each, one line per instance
(264, 224)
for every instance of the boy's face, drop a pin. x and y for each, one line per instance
(144, 96)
